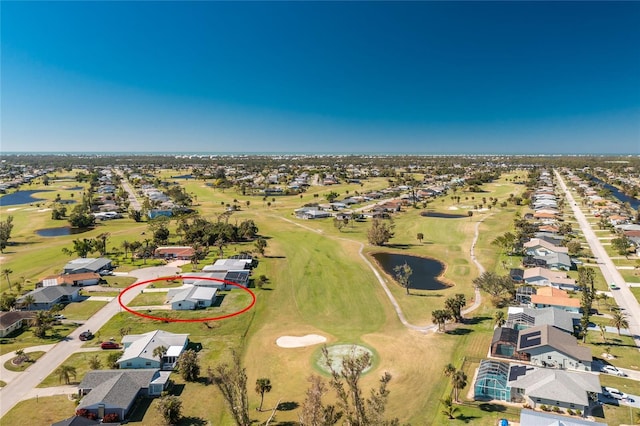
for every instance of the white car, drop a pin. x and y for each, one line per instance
(610, 369)
(59, 317)
(613, 393)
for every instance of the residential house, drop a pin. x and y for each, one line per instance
(560, 261)
(88, 264)
(115, 391)
(12, 321)
(539, 247)
(191, 298)
(46, 297)
(550, 297)
(174, 252)
(504, 343)
(540, 418)
(545, 277)
(311, 213)
(81, 279)
(138, 350)
(224, 265)
(551, 387)
(521, 318)
(547, 346)
(219, 280)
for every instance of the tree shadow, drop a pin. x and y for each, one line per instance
(475, 320)
(400, 246)
(466, 419)
(459, 331)
(194, 346)
(218, 301)
(275, 257)
(427, 295)
(190, 420)
(287, 406)
(177, 389)
(491, 408)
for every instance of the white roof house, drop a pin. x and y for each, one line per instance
(223, 265)
(192, 297)
(139, 348)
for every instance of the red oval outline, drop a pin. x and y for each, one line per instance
(233, 314)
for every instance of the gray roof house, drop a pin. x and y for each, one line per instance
(552, 387)
(138, 349)
(88, 264)
(76, 421)
(193, 297)
(548, 346)
(115, 391)
(46, 297)
(12, 321)
(522, 318)
(539, 418)
(556, 261)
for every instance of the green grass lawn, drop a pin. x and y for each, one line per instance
(25, 338)
(80, 361)
(40, 411)
(82, 310)
(149, 299)
(33, 357)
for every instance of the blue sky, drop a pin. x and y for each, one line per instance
(414, 77)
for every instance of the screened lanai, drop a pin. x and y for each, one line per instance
(491, 382)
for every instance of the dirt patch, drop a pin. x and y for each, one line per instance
(300, 341)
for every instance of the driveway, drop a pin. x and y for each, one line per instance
(17, 390)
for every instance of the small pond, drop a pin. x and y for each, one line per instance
(182, 177)
(443, 215)
(21, 197)
(60, 231)
(425, 270)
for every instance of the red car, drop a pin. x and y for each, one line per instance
(109, 345)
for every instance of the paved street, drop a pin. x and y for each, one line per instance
(17, 390)
(623, 296)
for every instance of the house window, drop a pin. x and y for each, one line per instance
(128, 364)
(549, 357)
(147, 363)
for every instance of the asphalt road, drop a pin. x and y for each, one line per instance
(133, 200)
(17, 390)
(623, 296)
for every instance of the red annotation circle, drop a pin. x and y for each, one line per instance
(233, 314)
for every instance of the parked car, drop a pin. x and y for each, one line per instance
(109, 345)
(610, 369)
(59, 317)
(86, 335)
(613, 393)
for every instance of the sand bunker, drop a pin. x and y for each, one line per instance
(453, 208)
(300, 341)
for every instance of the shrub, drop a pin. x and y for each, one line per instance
(570, 412)
(83, 412)
(544, 407)
(110, 418)
(556, 409)
(578, 412)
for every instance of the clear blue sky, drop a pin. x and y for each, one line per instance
(419, 77)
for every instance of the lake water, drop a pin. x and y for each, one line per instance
(60, 231)
(425, 270)
(443, 215)
(624, 198)
(21, 197)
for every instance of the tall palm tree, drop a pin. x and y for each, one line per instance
(126, 246)
(102, 242)
(6, 272)
(262, 385)
(28, 300)
(499, 318)
(65, 372)
(459, 381)
(619, 320)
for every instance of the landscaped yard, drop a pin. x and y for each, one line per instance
(80, 361)
(82, 310)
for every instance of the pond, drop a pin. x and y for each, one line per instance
(60, 231)
(182, 177)
(425, 270)
(21, 197)
(621, 196)
(443, 215)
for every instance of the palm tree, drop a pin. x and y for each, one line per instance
(619, 320)
(6, 272)
(262, 385)
(459, 381)
(101, 242)
(440, 317)
(603, 330)
(28, 300)
(449, 410)
(159, 352)
(65, 372)
(499, 318)
(449, 370)
(126, 246)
